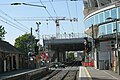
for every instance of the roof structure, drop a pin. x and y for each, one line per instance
(8, 48)
(93, 5)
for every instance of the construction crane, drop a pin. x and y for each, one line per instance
(55, 19)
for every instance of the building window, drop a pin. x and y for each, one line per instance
(96, 19)
(101, 18)
(118, 27)
(102, 30)
(92, 20)
(109, 28)
(114, 13)
(119, 12)
(107, 14)
(114, 26)
(87, 23)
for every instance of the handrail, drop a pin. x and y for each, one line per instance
(64, 36)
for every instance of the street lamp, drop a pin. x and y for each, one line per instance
(28, 4)
(116, 40)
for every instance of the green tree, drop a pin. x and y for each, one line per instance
(71, 56)
(2, 32)
(25, 43)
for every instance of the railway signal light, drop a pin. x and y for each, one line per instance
(88, 47)
(112, 45)
(36, 49)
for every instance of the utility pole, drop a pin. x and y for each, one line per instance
(116, 45)
(31, 38)
(31, 31)
(30, 49)
(37, 47)
(93, 43)
(57, 28)
(38, 30)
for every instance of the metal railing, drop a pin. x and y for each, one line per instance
(64, 36)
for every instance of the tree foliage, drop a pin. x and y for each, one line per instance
(2, 32)
(25, 43)
(71, 56)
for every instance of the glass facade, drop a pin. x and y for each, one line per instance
(102, 30)
(109, 28)
(101, 17)
(114, 13)
(119, 12)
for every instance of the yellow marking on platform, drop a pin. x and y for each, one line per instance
(88, 74)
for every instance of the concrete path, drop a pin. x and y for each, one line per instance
(90, 73)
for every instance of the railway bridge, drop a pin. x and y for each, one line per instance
(57, 47)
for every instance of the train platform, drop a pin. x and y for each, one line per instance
(24, 74)
(11, 73)
(90, 73)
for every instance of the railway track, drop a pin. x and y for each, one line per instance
(68, 73)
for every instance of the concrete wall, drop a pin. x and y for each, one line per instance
(103, 57)
(1, 63)
(9, 61)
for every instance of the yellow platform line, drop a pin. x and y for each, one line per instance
(88, 74)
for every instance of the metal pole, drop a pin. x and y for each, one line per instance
(119, 63)
(92, 41)
(30, 51)
(31, 39)
(117, 68)
(116, 46)
(116, 36)
(37, 30)
(57, 28)
(117, 52)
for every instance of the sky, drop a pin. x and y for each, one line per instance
(9, 15)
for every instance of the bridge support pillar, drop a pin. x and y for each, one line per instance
(58, 56)
(63, 56)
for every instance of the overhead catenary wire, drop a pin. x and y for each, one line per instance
(69, 13)
(77, 15)
(47, 10)
(12, 25)
(13, 19)
(55, 1)
(43, 1)
(53, 8)
(55, 12)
